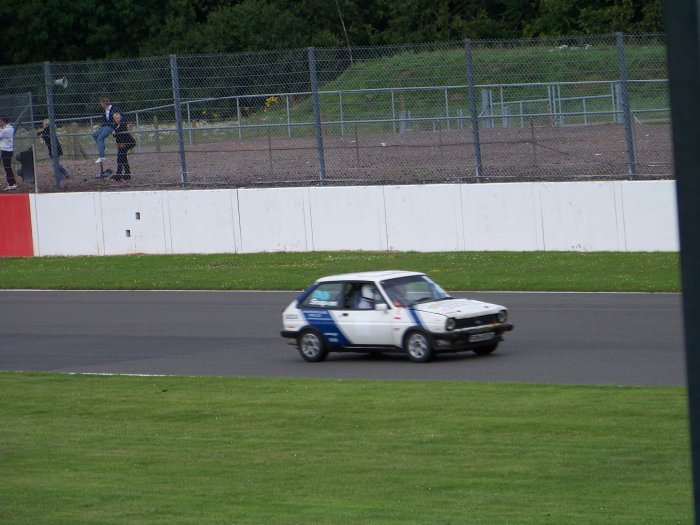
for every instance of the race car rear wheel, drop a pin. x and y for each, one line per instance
(485, 350)
(418, 346)
(311, 346)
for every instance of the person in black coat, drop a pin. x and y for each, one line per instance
(45, 135)
(125, 142)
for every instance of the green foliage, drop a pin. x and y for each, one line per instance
(69, 30)
(568, 17)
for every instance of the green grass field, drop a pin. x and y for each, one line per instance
(538, 271)
(235, 450)
(168, 450)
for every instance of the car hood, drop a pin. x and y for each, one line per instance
(458, 308)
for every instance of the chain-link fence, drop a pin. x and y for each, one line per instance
(498, 111)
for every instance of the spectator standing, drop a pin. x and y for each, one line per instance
(45, 135)
(106, 128)
(7, 147)
(125, 141)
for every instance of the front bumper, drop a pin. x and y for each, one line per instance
(470, 337)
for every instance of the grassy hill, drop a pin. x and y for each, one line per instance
(431, 84)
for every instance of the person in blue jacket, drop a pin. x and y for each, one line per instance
(106, 128)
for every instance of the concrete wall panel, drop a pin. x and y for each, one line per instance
(67, 224)
(579, 216)
(134, 222)
(348, 218)
(274, 220)
(424, 218)
(501, 216)
(650, 216)
(202, 221)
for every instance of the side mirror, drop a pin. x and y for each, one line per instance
(381, 307)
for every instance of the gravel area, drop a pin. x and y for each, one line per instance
(415, 157)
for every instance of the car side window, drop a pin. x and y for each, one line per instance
(363, 296)
(326, 295)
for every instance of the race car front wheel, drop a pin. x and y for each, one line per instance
(311, 346)
(418, 346)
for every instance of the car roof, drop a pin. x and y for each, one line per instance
(368, 276)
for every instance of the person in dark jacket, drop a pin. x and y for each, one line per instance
(45, 135)
(125, 142)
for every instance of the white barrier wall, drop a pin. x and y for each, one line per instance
(275, 220)
(498, 215)
(202, 221)
(348, 218)
(580, 216)
(576, 216)
(425, 218)
(67, 224)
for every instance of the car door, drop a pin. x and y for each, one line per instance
(365, 327)
(322, 308)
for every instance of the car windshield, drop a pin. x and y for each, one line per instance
(406, 291)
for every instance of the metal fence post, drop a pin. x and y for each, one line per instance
(138, 126)
(31, 119)
(238, 117)
(48, 82)
(317, 115)
(618, 116)
(178, 118)
(476, 144)
(189, 122)
(447, 109)
(626, 113)
(289, 117)
(342, 117)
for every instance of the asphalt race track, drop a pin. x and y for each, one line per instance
(565, 338)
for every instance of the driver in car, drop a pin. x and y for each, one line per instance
(366, 301)
(398, 295)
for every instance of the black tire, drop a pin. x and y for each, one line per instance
(486, 349)
(311, 346)
(418, 346)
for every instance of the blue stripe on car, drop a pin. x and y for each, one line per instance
(322, 321)
(414, 315)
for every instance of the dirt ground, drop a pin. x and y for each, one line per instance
(415, 157)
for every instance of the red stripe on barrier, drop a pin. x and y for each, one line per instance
(15, 226)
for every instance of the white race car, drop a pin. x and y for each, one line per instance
(389, 311)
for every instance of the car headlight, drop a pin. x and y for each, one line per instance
(502, 316)
(450, 324)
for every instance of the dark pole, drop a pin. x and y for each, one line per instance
(683, 48)
(476, 143)
(178, 118)
(48, 80)
(317, 115)
(626, 111)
